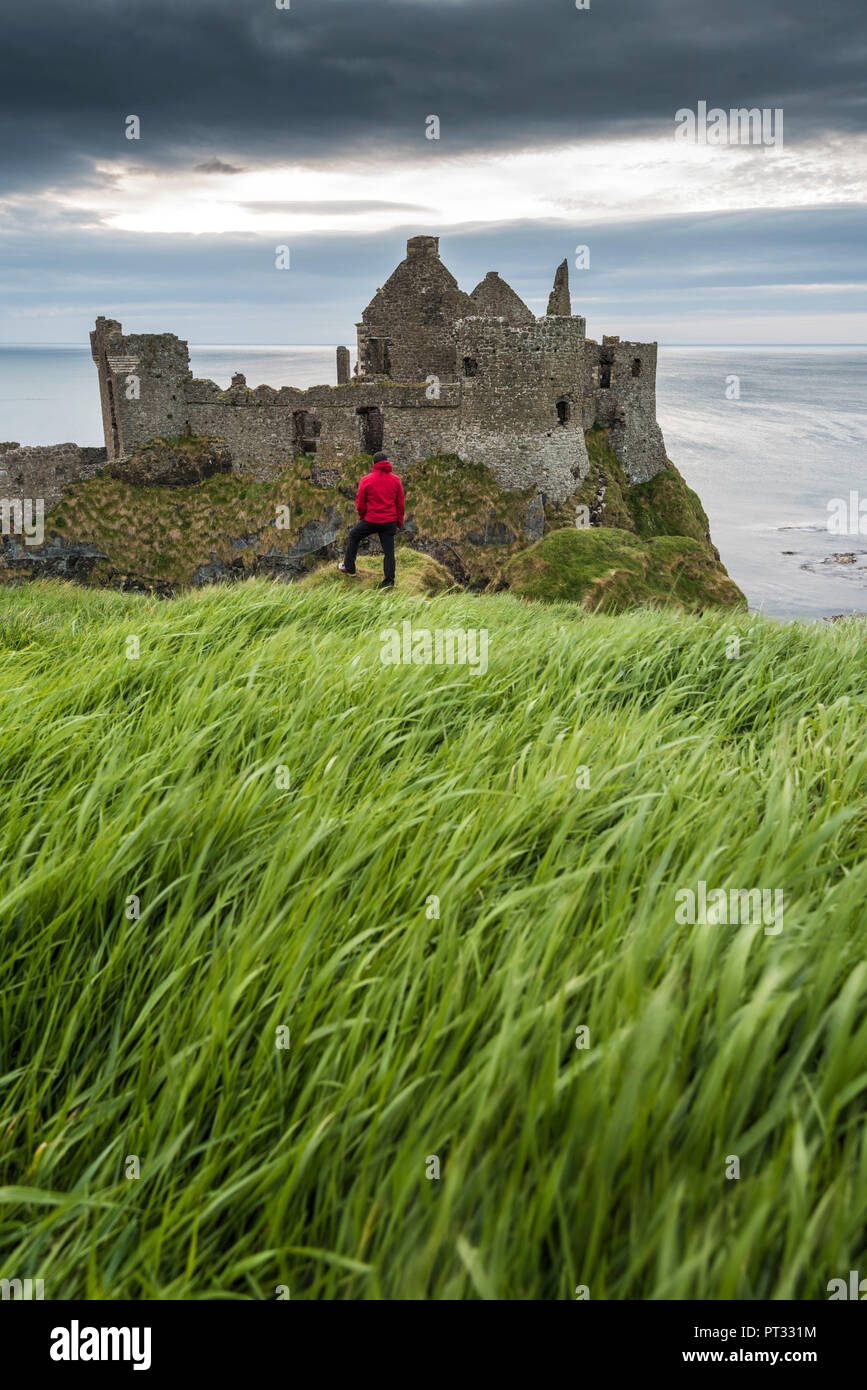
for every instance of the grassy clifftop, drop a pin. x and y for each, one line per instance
(607, 569)
(254, 832)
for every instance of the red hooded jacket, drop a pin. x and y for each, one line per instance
(380, 495)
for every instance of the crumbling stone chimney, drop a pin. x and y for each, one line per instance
(342, 366)
(558, 300)
(423, 246)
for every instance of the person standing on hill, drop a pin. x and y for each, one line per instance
(380, 505)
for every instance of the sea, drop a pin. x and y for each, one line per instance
(773, 440)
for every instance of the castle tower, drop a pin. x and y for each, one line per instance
(521, 401)
(620, 396)
(142, 381)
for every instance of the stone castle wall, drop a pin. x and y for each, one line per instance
(521, 403)
(43, 471)
(620, 395)
(264, 427)
(143, 379)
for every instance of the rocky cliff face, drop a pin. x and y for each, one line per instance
(174, 515)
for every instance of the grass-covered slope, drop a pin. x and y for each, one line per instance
(432, 897)
(167, 533)
(611, 570)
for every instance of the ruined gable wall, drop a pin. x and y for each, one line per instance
(415, 311)
(494, 296)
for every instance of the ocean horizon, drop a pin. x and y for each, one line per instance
(768, 436)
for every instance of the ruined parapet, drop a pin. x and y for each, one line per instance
(620, 396)
(559, 301)
(41, 471)
(495, 297)
(405, 334)
(142, 381)
(521, 406)
(342, 366)
(265, 429)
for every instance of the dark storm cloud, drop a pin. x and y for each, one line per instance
(218, 166)
(241, 82)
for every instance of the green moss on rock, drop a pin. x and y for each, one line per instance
(612, 569)
(662, 506)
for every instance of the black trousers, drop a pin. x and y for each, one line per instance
(386, 532)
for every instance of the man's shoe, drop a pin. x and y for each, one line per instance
(343, 570)
(387, 584)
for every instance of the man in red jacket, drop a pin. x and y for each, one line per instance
(379, 504)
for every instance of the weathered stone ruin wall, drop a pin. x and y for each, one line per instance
(521, 405)
(620, 395)
(264, 427)
(43, 471)
(406, 330)
(559, 300)
(143, 379)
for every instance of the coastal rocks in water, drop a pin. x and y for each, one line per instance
(174, 463)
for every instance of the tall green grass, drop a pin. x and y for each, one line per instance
(411, 1035)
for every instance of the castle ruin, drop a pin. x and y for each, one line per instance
(438, 371)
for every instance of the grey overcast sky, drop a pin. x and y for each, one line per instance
(306, 127)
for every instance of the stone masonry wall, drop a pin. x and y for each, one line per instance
(143, 377)
(620, 395)
(264, 427)
(521, 401)
(43, 471)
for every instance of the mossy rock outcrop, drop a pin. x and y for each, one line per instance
(662, 506)
(174, 462)
(611, 569)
